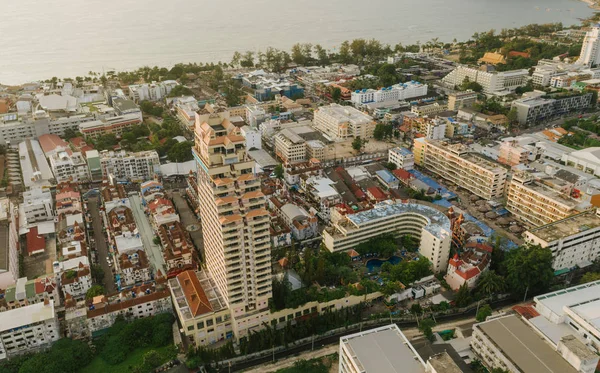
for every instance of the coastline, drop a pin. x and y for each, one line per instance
(593, 4)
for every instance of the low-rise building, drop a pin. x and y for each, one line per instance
(178, 250)
(587, 160)
(186, 110)
(34, 167)
(468, 267)
(431, 226)
(140, 166)
(341, 123)
(28, 329)
(76, 281)
(379, 350)
(429, 109)
(133, 269)
(111, 125)
(395, 93)
(536, 109)
(509, 343)
(459, 100)
(491, 81)
(402, 158)
(37, 205)
(69, 166)
(574, 241)
(26, 292)
(201, 309)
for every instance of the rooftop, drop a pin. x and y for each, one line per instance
(438, 222)
(401, 151)
(443, 363)
(523, 346)
(383, 350)
(38, 312)
(567, 227)
(345, 114)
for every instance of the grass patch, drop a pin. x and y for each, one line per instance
(98, 365)
(318, 365)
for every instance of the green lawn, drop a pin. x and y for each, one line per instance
(100, 366)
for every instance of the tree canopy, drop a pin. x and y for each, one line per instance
(529, 269)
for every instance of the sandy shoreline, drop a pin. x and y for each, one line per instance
(594, 4)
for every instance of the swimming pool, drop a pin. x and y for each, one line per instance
(375, 264)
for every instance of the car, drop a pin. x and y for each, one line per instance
(108, 259)
(109, 264)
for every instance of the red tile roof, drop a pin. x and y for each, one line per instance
(376, 193)
(50, 142)
(402, 174)
(194, 293)
(35, 242)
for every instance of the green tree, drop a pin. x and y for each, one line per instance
(180, 90)
(70, 133)
(97, 273)
(94, 291)
(336, 94)
(463, 296)
(483, 313)
(490, 283)
(589, 277)
(358, 144)
(279, 171)
(426, 327)
(391, 166)
(247, 59)
(322, 56)
(529, 270)
(416, 309)
(181, 152)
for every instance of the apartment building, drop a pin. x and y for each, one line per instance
(574, 241)
(379, 350)
(151, 92)
(341, 123)
(67, 202)
(37, 206)
(316, 149)
(178, 249)
(590, 50)
(511, 153)
(69, 166)
(28, 329)
(540, 201)
(453, 162)
(509, 343)
(133, 269)
(395, 93)
(491, 81)
(186, 110)
(140, 166)
(536, 109)
(459, 100)
(76, 281)
(290, 147)
(111, 125)
(421, 221)
(235, 223)
(162, 212)
(201, 308)
(102, 314)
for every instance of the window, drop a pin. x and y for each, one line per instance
(190, 328)
(200, 325)
(219, 319)
(209, 322)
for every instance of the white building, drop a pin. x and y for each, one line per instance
(590, 51)
(69, 166)
(38, 205)
(395, 93)
(402, 158)
(140, 166)
(290, 147)
(491, 81)
(380, 350)
(574, 241)
(572, 311)
(186, 110)
(587, 160)
(151, 92)
(341, 123)
(28, 329)
(252, 136)
(509, 343)
(431, 226)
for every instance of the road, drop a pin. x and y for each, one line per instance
(188, 218)
(101, 247)
(153, 250)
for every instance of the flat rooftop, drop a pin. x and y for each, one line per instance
(438, 222)
(558, 300)
(570, 226)
(443, 363)
(346, 114)
(23, 316)
(524, 347)
(384, 350)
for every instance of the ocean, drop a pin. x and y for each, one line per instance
(66, 38)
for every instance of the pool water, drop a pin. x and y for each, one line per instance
(373, 265)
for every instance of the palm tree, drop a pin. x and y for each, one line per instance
(491, 283)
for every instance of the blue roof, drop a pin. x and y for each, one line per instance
(444, 192)
(386, 176)
(402, 151)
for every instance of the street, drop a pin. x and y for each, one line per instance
(101, 247)
(153, 250)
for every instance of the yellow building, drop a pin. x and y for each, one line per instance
(540, 201)
(453, 162)
(492, 58)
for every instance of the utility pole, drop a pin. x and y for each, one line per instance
(273, 352)
(526, 290)
(312, 348)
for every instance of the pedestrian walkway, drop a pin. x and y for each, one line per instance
(153, 250)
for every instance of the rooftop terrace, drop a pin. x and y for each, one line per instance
(570, 226)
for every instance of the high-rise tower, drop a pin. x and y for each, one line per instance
(235, 222)
(590, 50)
